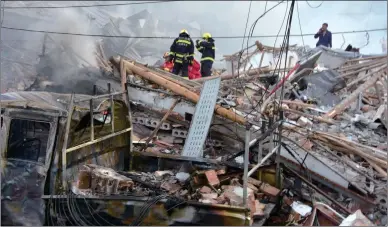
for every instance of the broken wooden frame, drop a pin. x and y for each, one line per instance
(66, 150)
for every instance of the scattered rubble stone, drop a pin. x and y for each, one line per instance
(212, 177)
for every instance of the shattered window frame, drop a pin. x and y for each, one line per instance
(28, 126)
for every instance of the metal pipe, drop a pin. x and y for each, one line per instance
(262, 161)
(99, 96)
(98, 140)
(329, 208)
(160, 123)
(112, 109)
(64, 146)
(246, 162)
(91, 120)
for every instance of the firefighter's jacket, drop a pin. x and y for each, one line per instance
(182, 49)
(207, 48)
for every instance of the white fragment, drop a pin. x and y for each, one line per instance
(239, 159)
(301, 208)
(182, 176)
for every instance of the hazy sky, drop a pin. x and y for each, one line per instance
(228, 18)
(340, 15)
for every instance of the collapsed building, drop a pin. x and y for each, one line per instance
(210, 149)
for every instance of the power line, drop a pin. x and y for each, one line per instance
(86, 6)
(173, 37)
(314, 7)
(300, 26)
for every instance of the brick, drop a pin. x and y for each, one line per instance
(171, 188)
(205, 189)
(212, 177)
(254, 189)
(221, 172)
(264, 187)
(306, 144)
(209, 196)
(366, 108)
(234, 196)
(259, 209)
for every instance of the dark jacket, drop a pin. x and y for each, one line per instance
(324, 40)
(207, 48)
(182, 48)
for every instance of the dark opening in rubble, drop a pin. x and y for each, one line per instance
(188, 117)
(28, 140)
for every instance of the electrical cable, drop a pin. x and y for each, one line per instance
(242, 51)
(279, 60)
(281, 26)
(86, 6)
(286, 42)
(1, 42)
(343, 38)
(367, 40)
(240, 56)
(300, 26)
(171, 37)
(314, 7)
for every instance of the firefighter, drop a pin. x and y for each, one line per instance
(182, 52)
(207, 49)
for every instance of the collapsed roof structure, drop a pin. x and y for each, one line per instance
(332, 153)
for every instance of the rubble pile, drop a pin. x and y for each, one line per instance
(323, 119)
(214, 186)
(334, 118)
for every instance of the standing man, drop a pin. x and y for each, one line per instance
(324, 36)
(182, 52)
(208, 50)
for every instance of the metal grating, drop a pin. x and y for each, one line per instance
(202, 118)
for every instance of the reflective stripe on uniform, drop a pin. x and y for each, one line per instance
(184, 41)
(199, 48)
(213, 48)
(178, 61)
(180, 55)
(207, 58)
(191, 55)
(172, 53)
